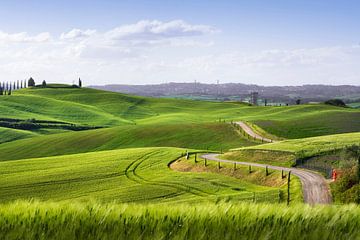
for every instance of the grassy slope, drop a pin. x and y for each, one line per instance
(8, 134)
(89, 106)
(130, 175)
(215, 136)
(30, 220)
(285, 152)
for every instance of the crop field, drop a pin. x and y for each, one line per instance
(42, 220)
(101, 108)
(131, 175)
(116, 167)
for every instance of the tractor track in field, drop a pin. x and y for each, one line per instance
(315, 187)
(131, 173)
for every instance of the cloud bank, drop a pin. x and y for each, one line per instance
(152, 51)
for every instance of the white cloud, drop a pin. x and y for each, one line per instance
(152, 30)
(24, 37)
(77, 34)
(155, 51)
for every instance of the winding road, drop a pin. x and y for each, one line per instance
(251, 132)
(315, 187)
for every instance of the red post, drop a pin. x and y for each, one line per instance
(334, 175)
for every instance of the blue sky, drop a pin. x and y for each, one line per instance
(269, 42)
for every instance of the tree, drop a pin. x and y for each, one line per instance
(298, 101)
(43, 84)
(1, 90)
(265, 101)
(80, 83)
(31, 82)
(336, 102)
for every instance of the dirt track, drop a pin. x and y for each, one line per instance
(315, 187)
(253, 134)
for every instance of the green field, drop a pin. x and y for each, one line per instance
(130, 175)
(285, 153)
(49, 220)
(100, 108)
(130, 157)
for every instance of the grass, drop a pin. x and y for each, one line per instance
(8, 134)
(212, 136)
(74, 220)
(130, 175)
(88, 178)
(256, 176)
(286, 152)
(101, 108)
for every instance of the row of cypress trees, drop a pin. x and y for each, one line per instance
(6, 88)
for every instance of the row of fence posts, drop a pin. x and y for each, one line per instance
(283, 175)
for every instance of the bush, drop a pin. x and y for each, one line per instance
(336, 102)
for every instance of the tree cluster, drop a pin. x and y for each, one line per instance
(6, 88)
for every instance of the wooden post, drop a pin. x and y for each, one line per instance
(288, 189)
(282, 173)
(267, 170)
(195, 157)
(234, 166)
(205, 163)
(219, 165)
(249, 168)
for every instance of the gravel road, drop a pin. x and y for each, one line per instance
(253, 134)
(315, 187)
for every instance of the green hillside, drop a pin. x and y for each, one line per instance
(8, 134)
(212, 136)
(130, 175)
(285, 153)
(101, 108)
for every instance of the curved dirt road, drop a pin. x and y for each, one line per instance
(253, 134)
(315, 187)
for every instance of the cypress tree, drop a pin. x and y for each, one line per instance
(31, 82)
(80, 83)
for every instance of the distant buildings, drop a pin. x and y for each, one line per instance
(254, 98)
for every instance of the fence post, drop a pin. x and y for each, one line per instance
(219, 165)
(234, 166)
(282, 173)
(195, 157)
(288, 189)
(279, 196)
(267, 170)
(205, 163)
(249, 168)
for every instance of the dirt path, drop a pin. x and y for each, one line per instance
(253, 134)
(315, 187)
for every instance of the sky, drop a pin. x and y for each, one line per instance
(264, 42)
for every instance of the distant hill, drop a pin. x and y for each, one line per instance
(239, 91)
